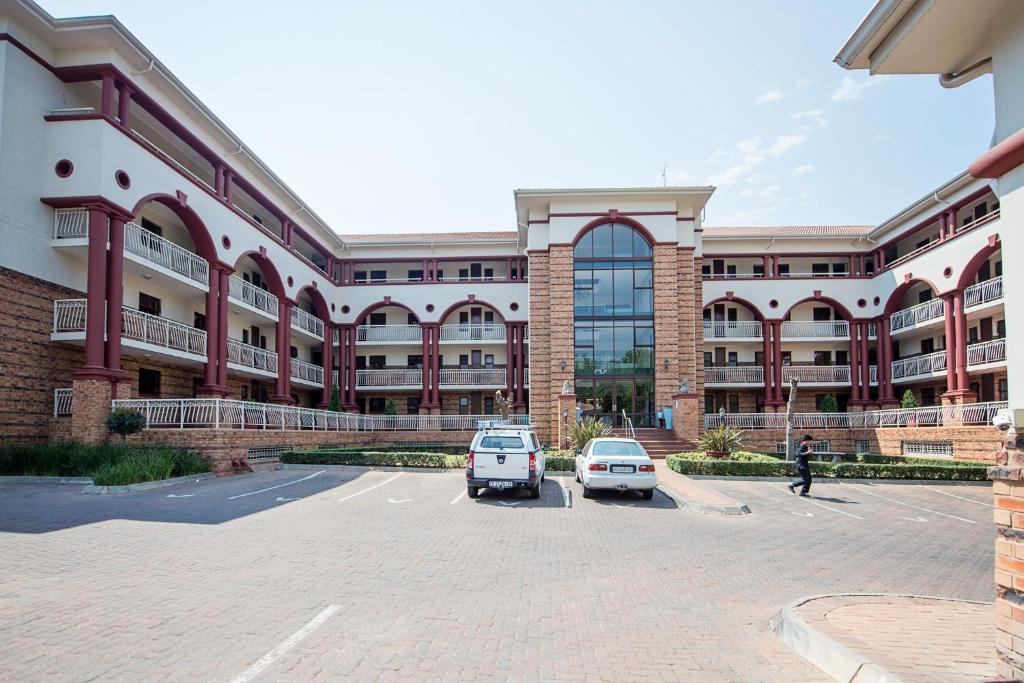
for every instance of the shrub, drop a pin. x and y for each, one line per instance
(389, 408)
(104, 463)
(781, 468)
(557, 461)
(125, 421)
(335, 403)
(737, 456)
(828, 404)
(909, 400)
(721, 439)
(582, 431)
(451, 449)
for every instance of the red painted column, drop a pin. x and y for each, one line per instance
(221, 338)
(880, 260)
(115, 291)
(213, 326)
(352, 378)
(218, 180)
(767, 353)
(951, 223)
(951, 346)
(425, 332)
(855, 362)
(865, 365)
(942, 227)
(327, 358)
(95, 314)
(435, 364)
(229, 181)
(777, 336)
(283, 388)
(124, 104)
(960, 321)
(885, 388)
(107, 96)
(426, 270)
(511, 362)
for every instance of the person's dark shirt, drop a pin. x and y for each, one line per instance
(802, 454)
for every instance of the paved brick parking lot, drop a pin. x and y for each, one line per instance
(400, 576)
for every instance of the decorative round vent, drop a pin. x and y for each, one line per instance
(64, 168)
(123, 180)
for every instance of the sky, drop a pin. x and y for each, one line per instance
(414, 116)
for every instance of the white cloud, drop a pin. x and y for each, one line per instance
(807, 114)
(770, 96)
(746, 155)
(852, 89)
(803, 169)
(765, 192)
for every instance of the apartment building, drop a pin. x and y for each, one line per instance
(152, 257)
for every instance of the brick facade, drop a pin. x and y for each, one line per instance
(969, 442)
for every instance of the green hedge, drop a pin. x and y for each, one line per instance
(842, 470)
(107, 465)
(448, 448)
(738, 456)
(374, 458)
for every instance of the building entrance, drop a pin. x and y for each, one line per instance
(607, 398)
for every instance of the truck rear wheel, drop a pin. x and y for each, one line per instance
(535, 492)
(472, 491)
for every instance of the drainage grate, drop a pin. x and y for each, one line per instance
(928, 448)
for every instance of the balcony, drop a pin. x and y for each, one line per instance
(737, 329)
(308, 324)
(474, 332)
(251, 360)
(918, 367)
(977, 223)
(389, 334)
(907, 318)
(473, 377)
(389, 378)
(984, 292)
(167, 338)
(307, 373)
(815, 329)
(823, 375)
(734, 375)
(986, 353)
(252, 298)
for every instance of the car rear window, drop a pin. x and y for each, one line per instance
(617, 448)
(501, 442)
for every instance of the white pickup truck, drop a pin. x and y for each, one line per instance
(505, 458)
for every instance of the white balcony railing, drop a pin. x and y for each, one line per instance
(69, 315)
(62, 402)
(305, 321)
(738, 329)
(914, 366)
(250, 294)
(986, 352)
(472, 377)
(815, 328)
(817, 374)
(300, 369)
(983, 292)
(389, 377)
(753, 374)
(485, 332)
(251, 356)
(873, 374)
(915, 315)
(967, 413)
(70, 223)
(389, 333)
(170, 334)
(163, 252)
(526, 377)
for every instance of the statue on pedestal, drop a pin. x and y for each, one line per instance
(502, 403)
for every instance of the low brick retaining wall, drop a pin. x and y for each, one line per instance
(969, 442)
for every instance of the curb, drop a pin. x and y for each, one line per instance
(146, 485)
(387, 468)
(44, 480)
(705, 508)
(841, 480)
(828, 654)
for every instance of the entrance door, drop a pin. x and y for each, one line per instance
(623, 401)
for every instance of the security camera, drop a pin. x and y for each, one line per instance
(1003, 420)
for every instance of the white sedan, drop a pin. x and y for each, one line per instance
(616, 464)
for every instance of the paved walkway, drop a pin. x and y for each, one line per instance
(913, 638)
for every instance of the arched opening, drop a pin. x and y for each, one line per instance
(614, 321)
(254, 291)
(917, 327)
(388, 322)
(310, 315)
(818, 351)
(734, 356)
(985, 321)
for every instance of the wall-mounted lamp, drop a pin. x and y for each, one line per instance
(562, 363)
(666, 364)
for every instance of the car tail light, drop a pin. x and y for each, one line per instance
(469, 466)
(533, 465)
(597, 467)
(646, 468)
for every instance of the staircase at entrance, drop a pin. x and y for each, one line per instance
(658, 442)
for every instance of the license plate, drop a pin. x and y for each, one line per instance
(499, 484)
(622, 468)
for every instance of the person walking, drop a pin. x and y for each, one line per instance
(803, 467)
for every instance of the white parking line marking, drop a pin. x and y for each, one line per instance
(286, 500)
(404, 500)
(359, 493)
(822, 505)
(510, 504)
(801, 514)
(292, 640)
(180, 495)
(271, 488)
(458, 497)
(953, 495)
(565, 491)
(916, 507)
(914, 519)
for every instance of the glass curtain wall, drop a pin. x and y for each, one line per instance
(614, 325)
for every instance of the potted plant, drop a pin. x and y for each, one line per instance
(720, 441)
(582, 431)
(910, 401)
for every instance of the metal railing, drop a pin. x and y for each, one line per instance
(250, 356)
(217, 413)
(627, 425)
(174, 162)
(965, 414)
(872, 374)
(170, 334)
(919, 365)
(163, 252)
(817, 374)
(816, 275)
(389, 333)
(752, 374)
(737, 329)
(308, 322)
(983, 292)
(62, 402)
(473, 332)
(389, 377)
(250, 294)
(986, 352)
(70, 223)
(300, 369)
(977, 223)
(815, 328)
(526, 377)
(473, 376)
(69, 315)
(907, 317)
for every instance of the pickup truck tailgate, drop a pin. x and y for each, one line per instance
(501, 464)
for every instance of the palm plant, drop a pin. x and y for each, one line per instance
(582, 431)
(720, 441)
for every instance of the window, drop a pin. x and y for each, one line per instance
(149, 382)
(293, 352)
(734, 403)
(980, 210)
(199, 320)
(474, 270)
(196, 383)
(463, 361)
(705, 270)
(463, 273)
(149, 304)
(414, 361)
(412, 405)
(378, 362)
(709, 359)
(495, 441)
(823, 358)
(787, 358)
(839, 269)
(359, 275)
(375, 404)
(489, 361)
(378, 275)
(1000, 329)
(927, 345)
(463, 405)
(709, 404)
(819, 269)
(488, 273)
(928, 396)
(488, 405)
(152, 227)
(411, 320)
(821, 313)
(783, 270)
(617, 448)
(378, 318)
(730, 271)
(861, 446)
(733, 359)
(1004, 390)
(415, 275)
(759, 269)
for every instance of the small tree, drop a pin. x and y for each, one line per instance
(909, 400)
(389, 408)
(829, 404)
(720, 441)
(335, 403)
(125, 421)
(582, 431)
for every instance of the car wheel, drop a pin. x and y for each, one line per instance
(648, 494)
(472, 491)
(587, 492)
(578, 481)
(542, 477)
(535, 492)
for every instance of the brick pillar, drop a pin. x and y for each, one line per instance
(283, 388)
(91, 400)
(327, 358)
(687, 417)
(669, 304)
(1008, 489)
(566, 416)
(689, 356)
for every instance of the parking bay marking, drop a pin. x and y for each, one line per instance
(917, 518)
(916, 507)
(953, 495)
(271, 488)
(366, 490)
(458, 497)
(822, 505)
(286, 500)
(801, 514)
(180, 495)
(404, 500)
(290, 642)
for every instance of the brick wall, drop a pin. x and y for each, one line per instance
(969, 442)
(540, 340)
(690, 335)
(668, 310)
(1008, 490)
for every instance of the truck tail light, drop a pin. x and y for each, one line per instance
(597, 467)
(533, 465)
(646, 468)
(469, 466)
